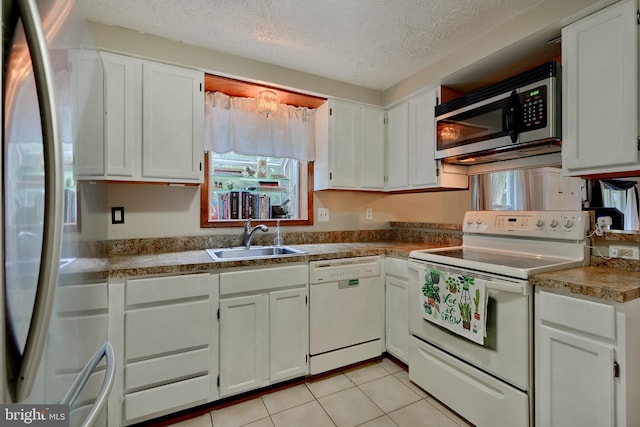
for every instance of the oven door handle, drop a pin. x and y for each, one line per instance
(514, 288)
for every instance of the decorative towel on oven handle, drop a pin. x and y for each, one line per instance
(455, 302)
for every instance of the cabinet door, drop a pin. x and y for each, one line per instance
(397, 317)
(574, 380)
(244, 346)
(371, 149)
(397, 147)
(600, 92)
(173, 123)
(345, 134)
(288, 334)
(87, 102)
(422, 166)
(123, 114)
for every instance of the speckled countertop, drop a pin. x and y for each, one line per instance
(610, 280)
(610, 284)
(198, 261)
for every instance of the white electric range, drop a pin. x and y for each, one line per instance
(489, 384)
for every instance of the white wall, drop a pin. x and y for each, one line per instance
(163, 211)
(160, 211)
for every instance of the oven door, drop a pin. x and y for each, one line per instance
(507, 348)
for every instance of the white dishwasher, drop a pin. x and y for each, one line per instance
(346, 312)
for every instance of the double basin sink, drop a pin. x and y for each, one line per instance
(253, 252)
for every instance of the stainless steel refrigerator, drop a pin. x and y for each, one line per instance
(55, 345)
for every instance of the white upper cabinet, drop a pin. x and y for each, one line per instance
(372, 148)
(154, 122)
(600, 92)
(87, 102)
(349, 147)
(397, 147)
(423, 170)
(172, 122)
(123, 98)
(410, 148)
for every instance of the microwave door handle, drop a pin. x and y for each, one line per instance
(513, 116)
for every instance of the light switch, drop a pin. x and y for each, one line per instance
(117, 215)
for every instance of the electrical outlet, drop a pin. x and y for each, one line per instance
(624, 252)
(117, 215)
(323, 215)
(368, 213)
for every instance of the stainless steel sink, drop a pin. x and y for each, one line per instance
(254, 252)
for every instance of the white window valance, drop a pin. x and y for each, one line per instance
(234, 124)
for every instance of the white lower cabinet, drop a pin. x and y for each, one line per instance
(169, 349)
(80, 311)
(264, 334)
(396, 308)
(585, 362)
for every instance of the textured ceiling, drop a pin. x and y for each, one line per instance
(370, 43)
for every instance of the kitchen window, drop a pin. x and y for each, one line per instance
(238, 187)
(257, 165)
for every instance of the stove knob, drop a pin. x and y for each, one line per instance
(567, 223)
(478, 221)
(553, 223)
(470, 221)
(540, 223)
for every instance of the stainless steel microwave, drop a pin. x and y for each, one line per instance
(517, 117)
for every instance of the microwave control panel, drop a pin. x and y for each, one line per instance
(534, 108)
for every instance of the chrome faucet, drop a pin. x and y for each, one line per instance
(247, 234)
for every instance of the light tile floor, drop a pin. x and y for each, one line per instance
(378, 394)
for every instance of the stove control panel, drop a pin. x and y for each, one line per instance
(569, 225)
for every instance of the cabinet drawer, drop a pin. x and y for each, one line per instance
(165, 369)
(262, 279)
(586, 316)
(157, 289)
(166, 399)
(396, 267)
(166, 329)
(86, 297)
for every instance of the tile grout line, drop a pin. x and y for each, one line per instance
(320, 404)
(430, 400)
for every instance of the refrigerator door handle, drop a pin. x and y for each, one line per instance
(105, 351)
(52, 221)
